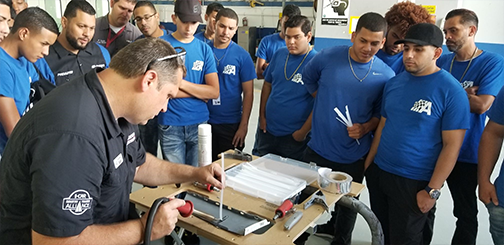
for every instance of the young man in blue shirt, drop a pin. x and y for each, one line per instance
(236, 77)
(209, 34)
(492, 195)
(73, 54)
(33, 32)
(147, 20)
(481, 74)
(178, 132)
(399, 18)
(271, 43)
(423, 121)
(344, 76)
(286, 106)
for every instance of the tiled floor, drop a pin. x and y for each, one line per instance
(444, 224)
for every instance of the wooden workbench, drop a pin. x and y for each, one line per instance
(275, 235)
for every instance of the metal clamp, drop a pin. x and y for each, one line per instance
(317, 198)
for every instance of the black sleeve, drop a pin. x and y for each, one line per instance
(67, 171)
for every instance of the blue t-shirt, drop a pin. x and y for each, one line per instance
(201, 37)
(394, 61)
(482, 73)
(417, 110)
(289, 103)
(496, 114)
(45, 70)
(234, 66)
(330, 75)
(15, 79)
(269, 45)
(199, 61)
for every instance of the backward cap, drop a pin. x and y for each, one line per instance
(423, 34)
(188, 10)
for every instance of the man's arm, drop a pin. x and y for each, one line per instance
(260, 67)
(358, 130)
(265, 93)
(248, 98)
(207, 91)
(376, 142)
(159, 172)
(9, 115)
(300, 134)
(479, 104)
(128, 232)
(488, 154)
(452, 141)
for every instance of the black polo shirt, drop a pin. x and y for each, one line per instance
(68, 164)
(66, 65)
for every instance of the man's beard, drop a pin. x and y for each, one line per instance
(74, 43)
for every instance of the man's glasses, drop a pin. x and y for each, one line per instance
(146, 18)
(180, 54)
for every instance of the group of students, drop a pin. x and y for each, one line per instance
(412, 128)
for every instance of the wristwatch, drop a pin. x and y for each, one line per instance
(433, 193)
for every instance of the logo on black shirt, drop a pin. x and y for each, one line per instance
(78, 202)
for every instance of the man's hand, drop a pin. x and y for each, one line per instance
(211, 174)
(472, 90)
(262, 124)
(165, 218)
(424, 201)
(356, 131)
(299, 136)
(239, 137)
(487, 193)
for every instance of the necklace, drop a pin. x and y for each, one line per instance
(468, 65)
(353, 72)
(287, 60)
(218, 60)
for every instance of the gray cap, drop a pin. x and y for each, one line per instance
(188, 10)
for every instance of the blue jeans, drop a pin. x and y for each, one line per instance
(179, 144)
(496, 214)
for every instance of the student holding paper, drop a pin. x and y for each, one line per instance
(346, 77)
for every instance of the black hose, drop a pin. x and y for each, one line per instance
(373, 222)
(150, 220)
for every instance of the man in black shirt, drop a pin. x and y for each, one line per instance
(66, 174)
(73, 54)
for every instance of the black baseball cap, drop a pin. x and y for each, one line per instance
(423, 34)
(188, 10)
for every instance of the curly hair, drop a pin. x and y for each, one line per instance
(405, 14)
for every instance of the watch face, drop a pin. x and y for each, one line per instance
(434, 194)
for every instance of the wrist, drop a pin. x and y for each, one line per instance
(433, 192)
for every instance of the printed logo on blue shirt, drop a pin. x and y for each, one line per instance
(229, 69)
(467, 84)
(298, 78)
(78, 202)
(422, 106)
(198, 65)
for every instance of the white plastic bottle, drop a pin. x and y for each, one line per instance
(204, 144)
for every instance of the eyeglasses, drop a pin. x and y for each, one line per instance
(180, 54)
(146, 18)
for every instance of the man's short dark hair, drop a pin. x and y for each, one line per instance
(74, 5)
(215, 6)
(291, 10)
(134, 59)
(131, 1)
(374, 22)
(145, 3)
(299, 21)
(228, 13)
(34, 18)
(467, 17)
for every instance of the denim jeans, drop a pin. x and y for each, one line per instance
(179, 144)
(496, 216)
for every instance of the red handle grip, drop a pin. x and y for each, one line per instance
(286, 206)
(187, 209)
